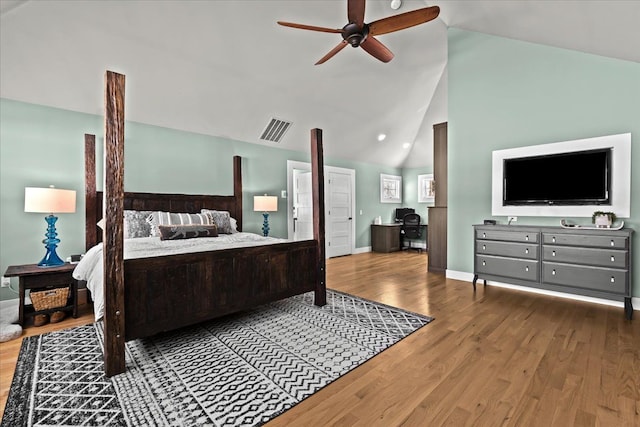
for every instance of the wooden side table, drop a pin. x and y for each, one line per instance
(36, 279)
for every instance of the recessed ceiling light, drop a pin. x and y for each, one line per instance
(381, 137)
(406, 145)
(395, 4)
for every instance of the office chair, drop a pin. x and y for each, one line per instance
(411, 229)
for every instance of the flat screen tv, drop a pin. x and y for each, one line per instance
(401, 212)
(562, 179)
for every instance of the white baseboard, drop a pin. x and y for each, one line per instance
(362, 250)
(366, 249)
(468, 277)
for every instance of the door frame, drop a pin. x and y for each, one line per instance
(293, 164)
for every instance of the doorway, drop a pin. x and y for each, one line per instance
(339, 184)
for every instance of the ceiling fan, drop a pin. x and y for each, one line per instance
(358, 33)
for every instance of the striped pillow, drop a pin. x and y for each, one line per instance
(158, 218)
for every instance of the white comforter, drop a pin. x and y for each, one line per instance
(90, 267)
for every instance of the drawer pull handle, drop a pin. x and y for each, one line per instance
(484, 247)
(526, 268)
(553, 253)
(526, 238)
(553, 239)
(613, 259)
(484, 234)
(553, 272)
(484, 263)
(613, 243)
(613, 279)
(526, 251)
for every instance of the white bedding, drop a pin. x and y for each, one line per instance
(90, 267)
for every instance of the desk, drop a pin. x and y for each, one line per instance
(386, 237)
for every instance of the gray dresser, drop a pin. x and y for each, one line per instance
(581, 261)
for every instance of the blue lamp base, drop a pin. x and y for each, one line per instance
(51, 258)
(265, 224)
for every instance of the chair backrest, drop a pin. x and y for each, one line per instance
(411, 225)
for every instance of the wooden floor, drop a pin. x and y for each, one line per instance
(496, 357)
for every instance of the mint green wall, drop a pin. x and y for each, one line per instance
(40, 146)
(505, 93)
(410, 191)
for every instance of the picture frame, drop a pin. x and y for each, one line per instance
(390, 188)
(426, 188)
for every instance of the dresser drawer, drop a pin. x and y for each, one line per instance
(507, 267)
(508, 236)
(598, 257)
(515, 250)
(613, 242)
(580, 276)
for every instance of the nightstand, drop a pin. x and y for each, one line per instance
(36, 279)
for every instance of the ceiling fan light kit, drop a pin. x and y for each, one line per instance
(357, 33)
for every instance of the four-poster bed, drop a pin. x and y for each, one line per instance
(145, 296)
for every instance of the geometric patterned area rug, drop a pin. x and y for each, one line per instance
(239, 370)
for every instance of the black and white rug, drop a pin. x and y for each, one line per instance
(240, 370)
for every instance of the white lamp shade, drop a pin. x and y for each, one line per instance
(265, 203)
(49, 200)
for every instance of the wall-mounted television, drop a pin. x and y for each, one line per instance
(561, 179)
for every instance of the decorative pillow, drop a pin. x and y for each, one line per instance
(173, 232)
(234, 225)
(170, 218)
(136, 225)
(220, 218)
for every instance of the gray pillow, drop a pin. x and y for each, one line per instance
(136, 225)
(171, 218)
(220, 218)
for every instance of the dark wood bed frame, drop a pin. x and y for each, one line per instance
(143, 297)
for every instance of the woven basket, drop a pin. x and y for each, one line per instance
(51, 298)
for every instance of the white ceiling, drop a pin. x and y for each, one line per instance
(225, 67)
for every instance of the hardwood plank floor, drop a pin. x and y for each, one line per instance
(496, 357)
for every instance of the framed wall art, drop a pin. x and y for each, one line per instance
(390, 188)
(426, 188)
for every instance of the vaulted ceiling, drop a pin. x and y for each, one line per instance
(225, 68)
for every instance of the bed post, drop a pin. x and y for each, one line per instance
(317, 188)
(113, 238)
(90, 216)
(237, 189)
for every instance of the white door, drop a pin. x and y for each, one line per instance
(302, 206)
(339, 206)
(338, 216)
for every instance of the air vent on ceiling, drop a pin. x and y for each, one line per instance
(275, 130)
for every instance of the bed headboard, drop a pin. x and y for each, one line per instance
(191, 203)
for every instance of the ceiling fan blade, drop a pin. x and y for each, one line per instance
(309, 27)
(403, 20)
(355, 12)
(335, 50)
(376, 49)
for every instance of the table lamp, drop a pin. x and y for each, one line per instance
(265, 204)
(50, 200)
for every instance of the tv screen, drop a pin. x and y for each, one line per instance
(573, 178)
(401, 212)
